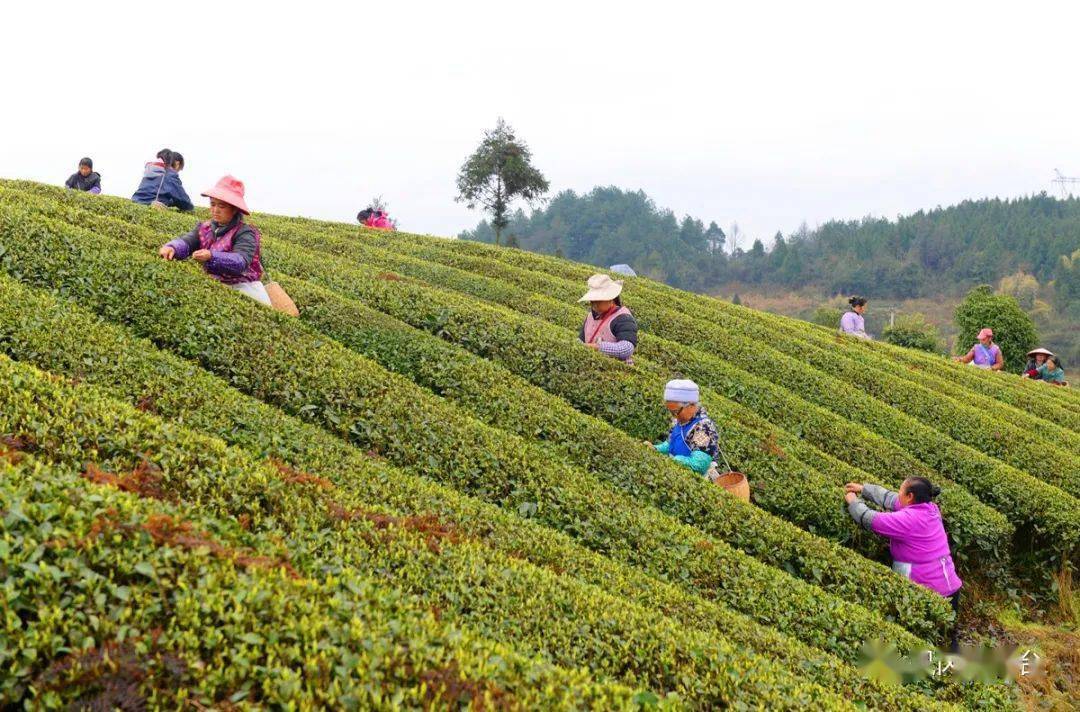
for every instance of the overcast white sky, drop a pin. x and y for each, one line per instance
(765, 113)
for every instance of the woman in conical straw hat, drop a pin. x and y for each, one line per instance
(609, 327)
(1044, 366)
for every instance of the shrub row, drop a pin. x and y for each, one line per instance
(1027, 396)
(328, 533)
(112, 602)
(1029, 443)
(924, 369)
(1039, 507)
(64, 339)
(271, 356)
(978, 531)
(489, 391)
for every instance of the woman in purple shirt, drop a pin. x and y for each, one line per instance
(912, 523)
(853, 322)
(228, 248)
(985, 354)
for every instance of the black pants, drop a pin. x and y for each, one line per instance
(954, 601)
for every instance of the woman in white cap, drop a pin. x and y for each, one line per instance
(694, 440)
(1043, 365)
(609, 327)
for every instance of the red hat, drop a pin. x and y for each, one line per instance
(229, 190)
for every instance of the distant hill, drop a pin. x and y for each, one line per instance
(608, 225)
(940, 251)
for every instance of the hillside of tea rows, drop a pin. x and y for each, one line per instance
(424, 492)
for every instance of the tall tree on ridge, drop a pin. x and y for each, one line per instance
(499, 172)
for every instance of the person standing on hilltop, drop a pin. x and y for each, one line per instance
(985, 354)
(609, 327)
(161, 186)
(85, 179)
(852, 322)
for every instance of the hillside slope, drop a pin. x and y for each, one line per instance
(429, 443)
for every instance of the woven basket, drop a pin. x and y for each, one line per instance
(736, 484)
(280, 300)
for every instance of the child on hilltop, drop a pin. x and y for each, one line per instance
(85, 179)
(161, 186)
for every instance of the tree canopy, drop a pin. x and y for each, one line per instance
(944, 251)
(497, 173)
(608, 225)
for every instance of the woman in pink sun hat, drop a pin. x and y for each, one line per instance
(985, 354)
(228, 248)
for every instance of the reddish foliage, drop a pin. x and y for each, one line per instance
(164, 529)
(12, 447)
(147, 404)
(429, 525)
(770, 446)
(389, 277)
(296, 477)
(447, 688)
(114, 676)
(145, 480)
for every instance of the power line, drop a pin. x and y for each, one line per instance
(1062, 181)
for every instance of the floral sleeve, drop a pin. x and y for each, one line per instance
(705, 437)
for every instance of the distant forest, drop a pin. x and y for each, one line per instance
(935, 252)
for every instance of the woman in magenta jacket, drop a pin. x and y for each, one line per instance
(912, 523)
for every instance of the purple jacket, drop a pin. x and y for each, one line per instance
(235, 250)
(984, 357)
(917, 539)
(854, 324)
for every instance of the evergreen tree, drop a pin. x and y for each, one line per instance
(499, 172)
(714, 238)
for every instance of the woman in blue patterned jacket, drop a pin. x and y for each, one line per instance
(693, 440)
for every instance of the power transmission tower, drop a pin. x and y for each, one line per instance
(1062, 181)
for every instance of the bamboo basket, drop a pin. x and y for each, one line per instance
(735, 483)
(281, 301)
